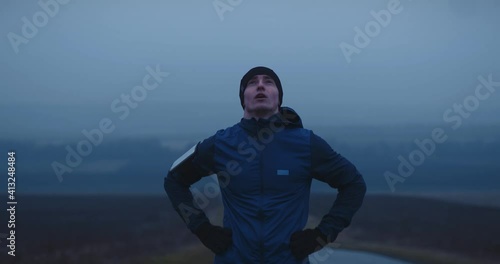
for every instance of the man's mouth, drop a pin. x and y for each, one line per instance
(260, 96)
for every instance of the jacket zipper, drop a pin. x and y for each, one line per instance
(261, 238)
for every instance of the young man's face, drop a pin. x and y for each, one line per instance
(261, 95)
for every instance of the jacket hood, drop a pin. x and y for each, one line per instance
(285, 117)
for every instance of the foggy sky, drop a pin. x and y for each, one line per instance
(66, 77)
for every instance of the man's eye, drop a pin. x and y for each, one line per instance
(251, 82)
(269, 81)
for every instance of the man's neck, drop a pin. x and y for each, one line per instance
(259, 114)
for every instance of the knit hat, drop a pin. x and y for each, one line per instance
(260, 70)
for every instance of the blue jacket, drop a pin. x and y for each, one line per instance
(265, 169)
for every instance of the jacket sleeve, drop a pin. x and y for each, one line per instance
(330, 167)
(179, 180)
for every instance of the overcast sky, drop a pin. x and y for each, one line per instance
(65, 77)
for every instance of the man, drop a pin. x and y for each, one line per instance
(265, 165)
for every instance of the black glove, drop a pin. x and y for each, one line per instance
(215, 238)
(305, 242)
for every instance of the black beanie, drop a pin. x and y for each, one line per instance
(260, 70)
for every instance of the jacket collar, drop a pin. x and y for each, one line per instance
(285, 117)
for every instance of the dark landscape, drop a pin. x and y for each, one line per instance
(144, 229)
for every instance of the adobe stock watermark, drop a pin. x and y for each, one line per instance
(372, 29)
(30, 27)
(454, 116)
(121, 106)
(223, 6)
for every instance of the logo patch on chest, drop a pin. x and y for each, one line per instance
(282, 172)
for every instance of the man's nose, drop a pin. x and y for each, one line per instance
(261, 85)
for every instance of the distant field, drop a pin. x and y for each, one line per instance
(488, 199)
(128, 229)
(467, 161)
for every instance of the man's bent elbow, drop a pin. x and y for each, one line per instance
(170, 183)
(361, 183)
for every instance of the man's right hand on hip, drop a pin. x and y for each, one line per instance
(215, 238)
